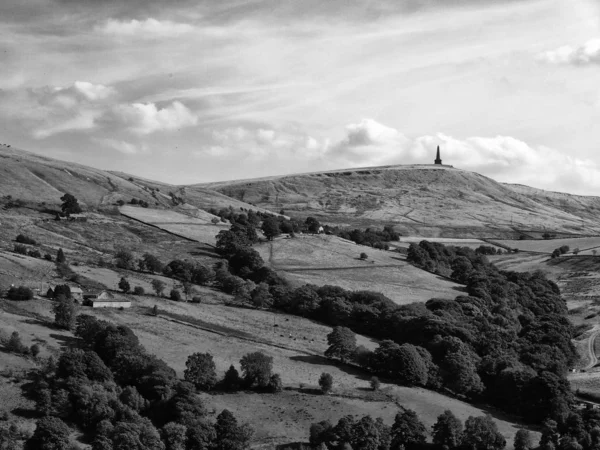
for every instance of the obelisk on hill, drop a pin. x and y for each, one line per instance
(437, 158)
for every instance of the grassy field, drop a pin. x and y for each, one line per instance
(321, 260)
(585, 244)
(197, 228)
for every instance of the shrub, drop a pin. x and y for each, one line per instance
(175, 295)
(326, 382)
(15, 345)
(155, 310)
(35, 350)
(375, 383)
(48, 257)
(20, 249)
(363, 256)
(19, 293)
(124, 285)
(34, 253)
(275, 384)
(138, 290)
(22, 239)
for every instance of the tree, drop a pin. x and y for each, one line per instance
(62, 290)
(158, 286)
(523, 440)
(151, 263)
(270, 228)
(138, 290)
(320, 433)
(447, 430)
(201, 371)
(232, 380)
(342, 344)
(124, 259)
(275, 383)
(257, 368)
(70, 205)
(364, 256)
(375, 383)
(124, 285)
(312, 225)
(51, 433)
(64, 313)
(60, 256)
(19, 293)
(14, 344)
(407, 431)
(481, 433)
(175, 295)
(155, 310)
(326, 382)
(230, 435)
(261, 296)
(188, 289)
(174, 436)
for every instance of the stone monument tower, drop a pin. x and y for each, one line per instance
(437, 158)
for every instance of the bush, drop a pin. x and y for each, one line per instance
(22, 239)
(20, 293)
(375, 383)
(35, 350)
(15, 345)
(48, 257)
(326, 382)
(175, 295)
(363, 256)
(20, 249)
(138, 290)
(34, 253)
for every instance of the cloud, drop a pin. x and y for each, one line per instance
(146, 118)
(52, 109)
(588, 53)
(144, 28)
(121, 146)
(504, 158)
(262, 144)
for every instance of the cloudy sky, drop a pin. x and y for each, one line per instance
(193, 91)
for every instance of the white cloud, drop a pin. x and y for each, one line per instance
(588, 53)
(503, 158)
(54, 109)
(121, 146)
(149, 27)
(146, 118)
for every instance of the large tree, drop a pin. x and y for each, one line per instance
(70, 205)
(407, 431)
(481, 433)
(447, 430)
(257, 368)
(201, 371)
(270, 228)
(51, 433)
(64, 313)
(342, 344)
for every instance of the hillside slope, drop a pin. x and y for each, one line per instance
(422, 199)
(34, 178)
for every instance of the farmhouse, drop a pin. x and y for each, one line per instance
(104, 299)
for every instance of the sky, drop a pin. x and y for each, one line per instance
(186, 91)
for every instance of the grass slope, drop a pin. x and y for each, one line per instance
(419, 200)
(322, 259)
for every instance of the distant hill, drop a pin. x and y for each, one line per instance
(35, 178)
(421, 200)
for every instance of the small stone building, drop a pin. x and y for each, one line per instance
(105, 299)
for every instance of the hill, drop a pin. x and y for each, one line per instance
(33, 178)
(422, 200)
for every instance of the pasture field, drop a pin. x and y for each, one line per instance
(549, 245)
(405, 241)
(195, 228)
(323, 260)
(229, 333)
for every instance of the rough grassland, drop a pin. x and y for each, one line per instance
(196, 228)
(321, 260)
(549, 245)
